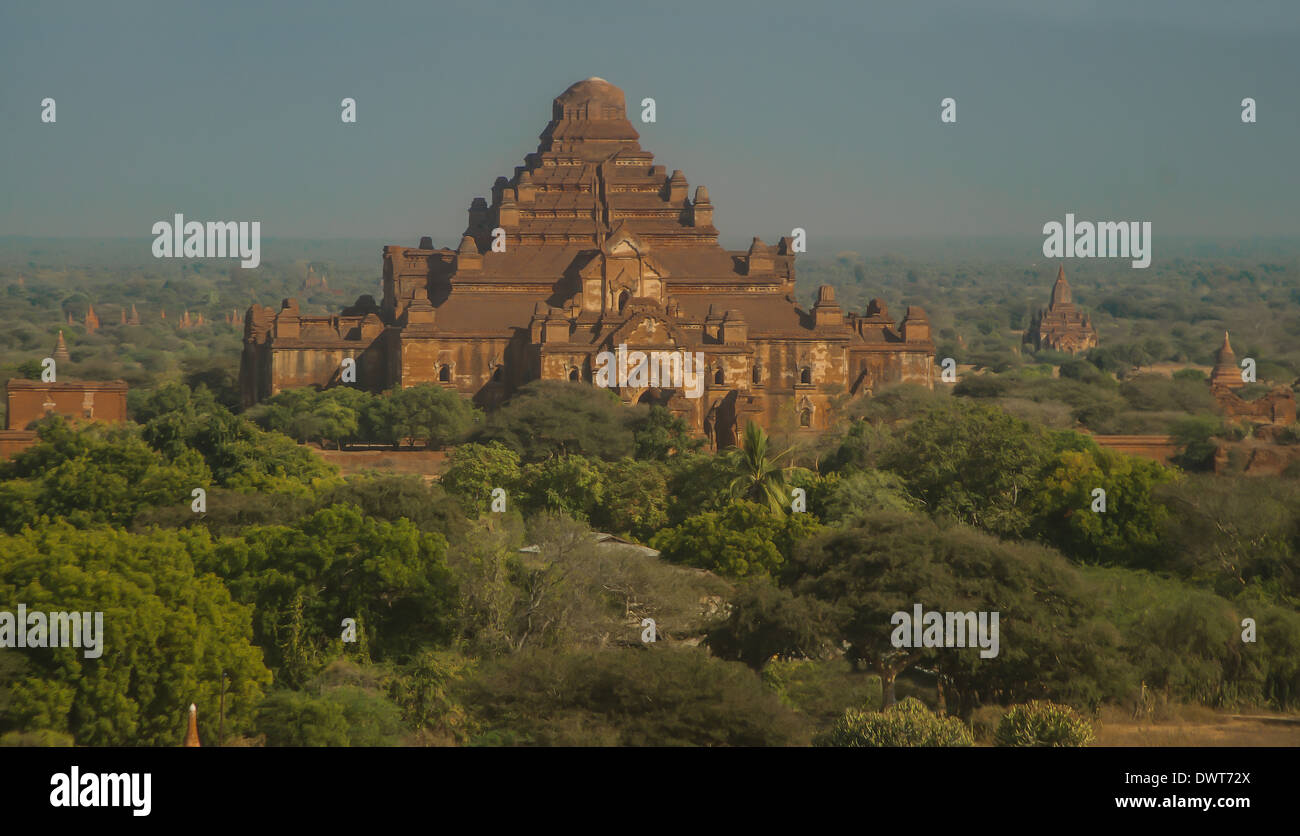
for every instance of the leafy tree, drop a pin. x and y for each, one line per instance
(1186, 643)
(422, 689)
(305, 579)
(168, 633)
(742, 540)
(1195, 435)
(240, 456)
(295, 718)
(41, 737)
(551, 417)
(30, 369)
(218, 375)
(573, 485)
(1154, 392)
(972, 462)
(819, 689)
(699, 482)
(1232, 534)
(484, 563)
(864, 492)
(767, 622)
(858, 448)
(1052, 639)
(659, 435)
(982, 386)
(394, 497)
(96, 474)
(372, 718)
(475, 470)
(1127, 532)
(229, 512)
(434, 414)
(635, 499)
(1084, 371)
(314, 415)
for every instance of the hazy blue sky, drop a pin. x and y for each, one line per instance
(814, 114)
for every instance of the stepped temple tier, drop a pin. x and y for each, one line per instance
(1061, 326)
(602, 248)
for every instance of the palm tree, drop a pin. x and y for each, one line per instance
(762, 478)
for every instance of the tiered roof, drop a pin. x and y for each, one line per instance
(1062, 326)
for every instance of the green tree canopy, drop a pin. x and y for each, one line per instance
(433, 414)
(95, 474)
(972, 462)
(1052, 638)
(336, 564)
(553, 417)
(476, 470)
(742, 540)
(169, 632)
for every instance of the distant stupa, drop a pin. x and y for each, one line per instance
(91, 321)
(1226, 372)
(61, 354)
(192, 733)
(135, 317)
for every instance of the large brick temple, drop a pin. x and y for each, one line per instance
(601, 247)
(1061, 326)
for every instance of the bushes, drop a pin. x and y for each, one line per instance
(627, 697)
(1041, 723)
(908, 723)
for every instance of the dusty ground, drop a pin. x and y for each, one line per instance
(1168, 369)
(426, 463)
(1215, 730)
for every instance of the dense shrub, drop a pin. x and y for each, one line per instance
(1041, 723)
(908, 723)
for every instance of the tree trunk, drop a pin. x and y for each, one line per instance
(887, 676)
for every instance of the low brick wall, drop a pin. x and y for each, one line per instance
(13, 442)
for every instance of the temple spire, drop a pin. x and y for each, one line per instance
(1061, 292)
(192, 732)
(1226, 372)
